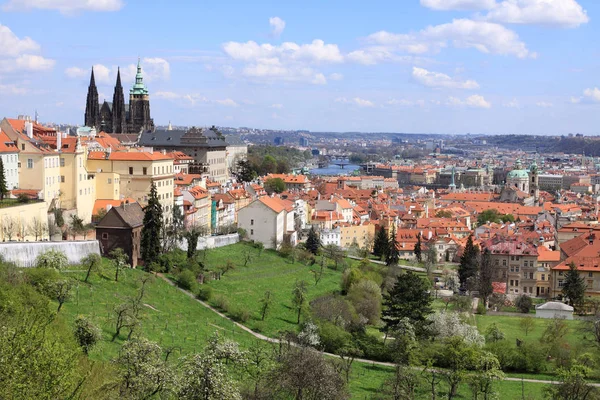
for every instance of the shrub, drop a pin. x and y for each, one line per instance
(221, 302)
(240, 314)
(259, 326)
(52, 259)
(333, 338)
(204, 293)
(524, 303)
(86, 333)
(41, 278)
(186, 280)
(23, 198)
(481, 309)
(493, 333)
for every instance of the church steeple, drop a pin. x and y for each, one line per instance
(119, 123)
(92, 107)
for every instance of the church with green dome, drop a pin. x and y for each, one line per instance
(524, 181)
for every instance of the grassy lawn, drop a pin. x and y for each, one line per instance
(244, 287)
(510, 326)
(169, 317)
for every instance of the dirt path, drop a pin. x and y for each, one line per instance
(360, 360)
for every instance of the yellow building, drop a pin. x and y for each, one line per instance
(361, 234)
(136, 171)
(24, 222)
(77, 184)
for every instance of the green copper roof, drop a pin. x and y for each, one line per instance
(518, 173)
(138, 86)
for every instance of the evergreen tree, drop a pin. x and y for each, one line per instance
(313, 242)
(468, 262)
(3, 188)
(150, 243)
(418, 252)
(380, 246)
(244, 172)
(486, 271)
(574, 286)
(393, 253)
(409, 298)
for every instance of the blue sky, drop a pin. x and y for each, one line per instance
(422, 66)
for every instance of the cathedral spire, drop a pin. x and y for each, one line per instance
(119, 123)
(92, 80)
(92, 107)
(118, 78)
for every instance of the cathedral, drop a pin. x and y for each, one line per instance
(118, 116)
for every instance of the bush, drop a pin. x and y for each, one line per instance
(481, 308)
(52, 259)
(240, 314)
(186, 280)
(41, 278)
(372, 347)
(259, 326)
(333, 338)
(524, 303)
(221, 302)
(204, 293)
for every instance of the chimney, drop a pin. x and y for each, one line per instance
(58, 141)
(29, 129)
(429, 235)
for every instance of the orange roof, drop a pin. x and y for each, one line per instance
(276, 204)
(186, 179)
(7, 145)
(198, 192)
(128, 156)
(548, 255)
(103, 204)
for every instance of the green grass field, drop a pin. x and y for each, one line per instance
(244, 287)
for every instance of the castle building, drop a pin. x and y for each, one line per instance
(118, 116)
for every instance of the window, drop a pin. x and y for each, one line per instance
(504, 263)
(512, 283)
(517, 283)
(62, 179)
(590, 283)
(561, 283)
(531, 275)
(503, 274)
(23, 146)
(496, 262)
(109, 181)
(512, 268)
(542, 290)
(512, 258)
(30, 163)
(104, 235)
(252, 231)
(517, 268)
(543, 277)
(560, 273)
(144, 170)
(590, 274)
(130, 170)
(251, 222)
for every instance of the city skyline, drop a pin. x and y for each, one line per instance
(429, 66)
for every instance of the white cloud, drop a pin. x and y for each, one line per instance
(277, 106)
(544, 104)
(227, 103)
(76, 72)
(512, 104)
(13, 90)
(17, 55)
(336, 77)
(64, 6)
(406, 103)
(592, 94)
(475, 101)
(562, 13)
(26, 62)
(12, 46)
(277, 26)
(575, 100)
(356, 101)
(486, 37)
(458, 4)
(156, 68)
(319, 79)
(439, 80)
(166, 95)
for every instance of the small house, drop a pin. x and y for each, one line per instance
(554, 309)
(121, 227)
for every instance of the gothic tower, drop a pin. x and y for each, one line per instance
(92, 107)
(119, 124)
(139, 105)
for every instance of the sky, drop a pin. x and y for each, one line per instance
(413, 66)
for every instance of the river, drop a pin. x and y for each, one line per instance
(333, 169)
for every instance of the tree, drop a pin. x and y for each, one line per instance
(574, 286)
(60, 291)
(380, 246)
(54, 259)
(430, 259)
(468, 262)
(299, 297)
(409, 298)
(10, 226)
(486, 275)
(487, 372)
(524, 303)
(366, 298)
(335, 253)
(493, 334)
(458, 358)
(393, 253)
(526, 324)
(313, 242)
(402, 385)
(153, 217)
(3, 187)
(572, 384)
(265, 304)
(124, 318)
(92, 261)
(76, 225)
(119, 260)
(191, 236)
(37, 228)
(245, 172)
(417, 250)
(274, 185)
(205, 375)
(492, 215)
(143, 373)
(86, 333)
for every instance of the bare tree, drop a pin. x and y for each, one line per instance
(37, 228)
(9, 227)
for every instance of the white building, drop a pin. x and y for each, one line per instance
(331, 236)
(10, 159)
(554, 309)
(269, 220)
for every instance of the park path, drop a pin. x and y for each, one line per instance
(360, 360)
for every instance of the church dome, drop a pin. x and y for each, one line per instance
(517, 174)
